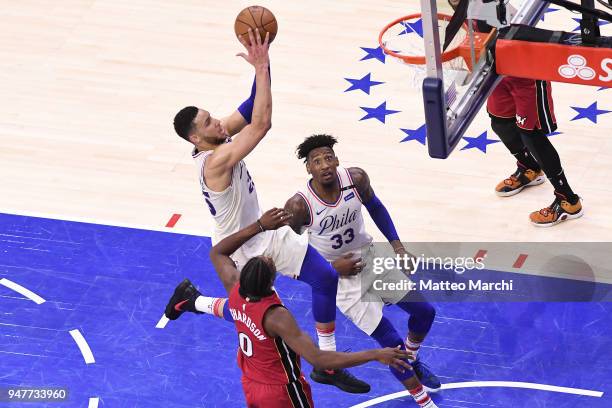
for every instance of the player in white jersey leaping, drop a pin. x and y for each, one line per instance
(231, 197)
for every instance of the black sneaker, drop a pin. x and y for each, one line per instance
(183, 300)
(342, 379)
(430, 381)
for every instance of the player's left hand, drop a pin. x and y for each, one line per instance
(394, 357)
(274, 219)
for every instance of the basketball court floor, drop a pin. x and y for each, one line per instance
(101, 213)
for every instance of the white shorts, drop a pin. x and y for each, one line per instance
(365, 307)
(283, 245)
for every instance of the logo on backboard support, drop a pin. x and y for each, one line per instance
(577, 67)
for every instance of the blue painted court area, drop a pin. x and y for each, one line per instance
(112, 284)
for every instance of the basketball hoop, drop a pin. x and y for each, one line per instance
(396, 41)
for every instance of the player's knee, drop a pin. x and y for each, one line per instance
(507, 131)
(328, 278)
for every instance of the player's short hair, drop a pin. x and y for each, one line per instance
(256, 279)
(313, 142)
(183, 121)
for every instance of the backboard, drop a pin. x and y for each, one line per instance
(454, 89)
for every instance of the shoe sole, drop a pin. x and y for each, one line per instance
(535, 182)
(560, 219)
(343, 388)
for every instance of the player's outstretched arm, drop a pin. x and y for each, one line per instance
(279, 322)
(300, 215)
(376, 208)
(227, 155)
(220, 253)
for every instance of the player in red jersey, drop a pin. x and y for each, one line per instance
(270, 341)
(522, 116)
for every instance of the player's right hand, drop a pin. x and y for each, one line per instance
(257, 51)
(348, 265)
(274, 219)
(393, 357)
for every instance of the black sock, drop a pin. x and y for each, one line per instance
(546, 154)
(562, 188)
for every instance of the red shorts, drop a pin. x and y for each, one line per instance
(296, 394)
(529, 101)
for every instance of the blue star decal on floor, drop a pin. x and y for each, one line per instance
(416, 27)
(590, 112)
(377, 53)
(554, 134)
(548, 10)
(380, 112)
(600, 23)
(479, 142)
(603, 88)
(363, 84)
(419, 134)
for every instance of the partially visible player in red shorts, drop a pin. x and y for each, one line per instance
(522, 115)
(270, 341)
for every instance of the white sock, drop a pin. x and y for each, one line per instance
(327, 339)
(413, 348)
(210, 305)
(420, 397)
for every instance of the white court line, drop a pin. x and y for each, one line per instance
(23, 291)
(93, 402)
(476, 384)
(83, 346)
(162, 322)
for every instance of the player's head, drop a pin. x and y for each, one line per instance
(257, 278)
(197, 126)
(320, 158)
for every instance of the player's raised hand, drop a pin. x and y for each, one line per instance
(393, 357)
(348, 265)
(274, 219)
(257, 52)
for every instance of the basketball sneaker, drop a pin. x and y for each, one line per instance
(428, 379)
(520, 179)
(560, 210)
(342, 379)
(183, 300)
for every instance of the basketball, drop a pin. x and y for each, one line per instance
(257, 18)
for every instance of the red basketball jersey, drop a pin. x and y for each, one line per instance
(261, 358)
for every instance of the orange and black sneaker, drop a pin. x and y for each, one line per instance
(518, 181)
(560, 210)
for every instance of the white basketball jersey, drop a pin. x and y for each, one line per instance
(233, 208)
(336, 228)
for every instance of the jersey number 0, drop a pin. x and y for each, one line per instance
(245, 344)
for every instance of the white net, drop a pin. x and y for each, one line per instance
(406, 39)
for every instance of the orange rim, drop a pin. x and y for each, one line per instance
(420, 59)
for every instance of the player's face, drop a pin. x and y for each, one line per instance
(208, 129)
(321, 164)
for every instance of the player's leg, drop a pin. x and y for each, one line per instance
(386, 335)
(323, 280)
(422, 315)
(186, 298)
(534, 104)
(501, 109)
(566, 204)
